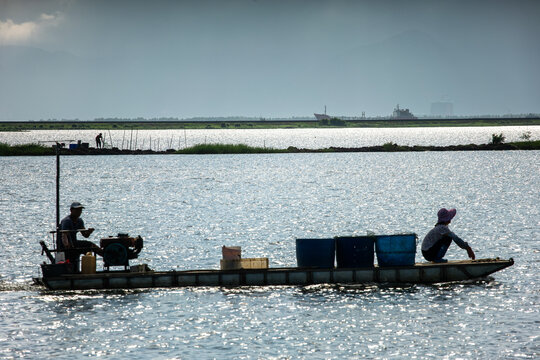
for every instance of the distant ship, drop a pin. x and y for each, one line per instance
(402, 114)
(322, 116)
(399, 114)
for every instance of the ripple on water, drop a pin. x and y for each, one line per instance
(187, 207)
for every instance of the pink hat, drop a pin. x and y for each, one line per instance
(445, 215)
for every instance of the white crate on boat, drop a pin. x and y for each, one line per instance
(247, 263)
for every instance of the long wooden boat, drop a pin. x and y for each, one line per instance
(420, 273)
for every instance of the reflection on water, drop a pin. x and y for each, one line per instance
(187, 207)
(279, 138)
(8, 285)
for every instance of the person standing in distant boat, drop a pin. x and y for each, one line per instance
(99, 141)
(68, 243)
(439, 238)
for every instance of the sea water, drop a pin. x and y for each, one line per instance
(311, 138)
(186, 207)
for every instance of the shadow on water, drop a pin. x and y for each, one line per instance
(31, 286)
(94, 293)
(387, 291)
(485, 282)
(257, 290)
(398, 288)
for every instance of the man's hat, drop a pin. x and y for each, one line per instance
(76, 205)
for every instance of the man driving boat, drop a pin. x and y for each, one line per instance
(68, 243)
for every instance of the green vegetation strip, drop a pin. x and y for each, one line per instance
(27, 149)
(261, 124)
(227, 149)
(37, 149)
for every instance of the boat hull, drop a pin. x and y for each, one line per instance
(421, 273)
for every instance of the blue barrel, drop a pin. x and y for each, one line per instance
(354, 252)
(318, 253)
(395, 250)
(73, 146)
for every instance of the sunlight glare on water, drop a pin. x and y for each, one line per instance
(187, 207)
(310, 138)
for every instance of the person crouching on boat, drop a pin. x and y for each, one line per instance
(439, 238)
(69, 226)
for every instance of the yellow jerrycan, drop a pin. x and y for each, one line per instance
(88, 264)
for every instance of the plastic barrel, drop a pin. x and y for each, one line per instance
(395, 250)
(318, 253)
(354, 252)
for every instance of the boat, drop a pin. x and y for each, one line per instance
(320, 117)
(140, 276)
(402, 114)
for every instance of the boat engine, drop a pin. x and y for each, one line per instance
(117, 251)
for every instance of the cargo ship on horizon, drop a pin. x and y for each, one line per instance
(400, 114)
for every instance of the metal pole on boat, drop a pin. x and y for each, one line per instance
(57, 151)
(57, 189)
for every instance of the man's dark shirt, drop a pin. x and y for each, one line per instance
(68, 224)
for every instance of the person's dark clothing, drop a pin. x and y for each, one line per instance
(99, 141)
(78, 247)
(67, 223)
(437, 242)
(438, 250)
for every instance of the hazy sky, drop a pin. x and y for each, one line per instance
(87, 59)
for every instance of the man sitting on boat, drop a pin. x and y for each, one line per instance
(439, 238)
(68, 243)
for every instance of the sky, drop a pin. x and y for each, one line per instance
(77, 59)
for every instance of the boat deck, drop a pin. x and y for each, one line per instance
(418, 273)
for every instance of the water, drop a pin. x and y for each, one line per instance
(187, 207)
(278, 138)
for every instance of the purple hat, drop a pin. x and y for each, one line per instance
(445, 215)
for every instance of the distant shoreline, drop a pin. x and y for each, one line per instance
(6, 126)
(202, 149)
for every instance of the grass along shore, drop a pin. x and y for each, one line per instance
(227, 149)
(41, 150)
(25, 150)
